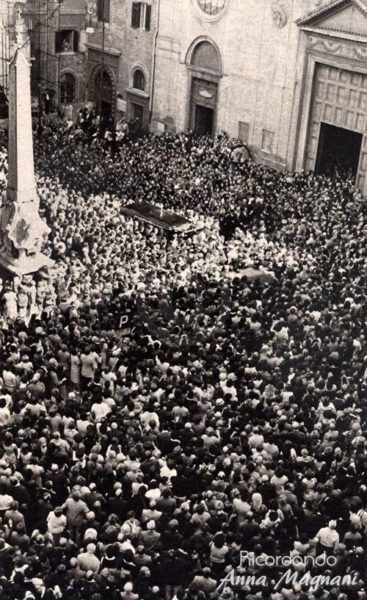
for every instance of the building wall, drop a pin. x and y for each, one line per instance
(125, 48)
(46, 18)
(262, 70)
(135, 49)
(6, 19)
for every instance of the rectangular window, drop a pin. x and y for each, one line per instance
(267, 141)
(66, 41)
(243, 131)
(136, 15)
(141, 16)
(103, 10)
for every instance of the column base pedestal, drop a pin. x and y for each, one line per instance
(26, 264)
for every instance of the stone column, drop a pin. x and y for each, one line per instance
(22, 229)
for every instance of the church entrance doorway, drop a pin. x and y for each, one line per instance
(339, 150)
(203, 106)
(206, 69)
(204, 120)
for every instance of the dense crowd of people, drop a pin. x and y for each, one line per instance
(166, 420)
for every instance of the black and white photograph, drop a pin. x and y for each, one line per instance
(183, 313)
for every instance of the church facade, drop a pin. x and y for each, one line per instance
(287, 77)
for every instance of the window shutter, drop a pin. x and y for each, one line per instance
(76, 41)
(100, 10)
(58, 42)
(103, 10)
(148, 16)
(107, 9)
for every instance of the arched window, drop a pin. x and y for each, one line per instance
(212, 7)
(205, 56)
(139, 80)
(67, 88)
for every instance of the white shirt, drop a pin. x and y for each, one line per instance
(100, 411)
(56, 524)
(327, 537)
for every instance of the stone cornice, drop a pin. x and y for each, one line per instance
(98, 48)
(321, 12)
(337, 33)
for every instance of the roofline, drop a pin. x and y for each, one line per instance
(329, 7)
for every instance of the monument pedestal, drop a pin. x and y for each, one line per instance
(26, 264)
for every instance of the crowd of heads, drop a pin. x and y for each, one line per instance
(171, 425)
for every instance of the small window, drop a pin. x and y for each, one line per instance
(136, 15)
(139, 80)
(67, 88)
(66, 41)
(103, 10)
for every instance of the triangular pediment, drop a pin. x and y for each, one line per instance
(348, 17)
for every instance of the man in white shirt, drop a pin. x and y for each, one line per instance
(327, 538)
(56, 523)
(100, 410)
